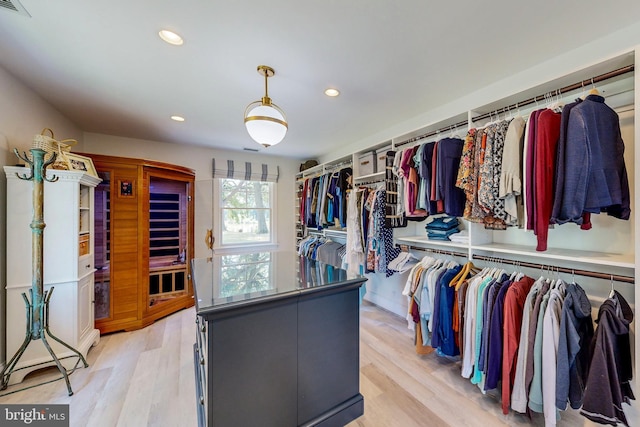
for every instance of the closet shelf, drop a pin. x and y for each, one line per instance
(378, 176)
(424, 240)
(587, 257)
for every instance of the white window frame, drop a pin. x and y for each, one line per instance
(221, 248)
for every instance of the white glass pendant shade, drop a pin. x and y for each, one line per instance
(266, 124)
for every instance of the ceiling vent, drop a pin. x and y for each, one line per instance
(14, 6)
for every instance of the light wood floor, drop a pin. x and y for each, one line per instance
(145, 378)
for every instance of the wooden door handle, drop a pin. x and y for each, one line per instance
(209, 239)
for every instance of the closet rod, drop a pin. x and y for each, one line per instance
(587, 273)
(323, 169)
(432, 133)
(581, 84)
(338, 165)
(365, 183)
(435, 251)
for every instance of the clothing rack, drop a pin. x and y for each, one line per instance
(580, 85)
(435, 251)
(334, 234)
(320, 170)
(318, 233)
(337, 166)
(432, 133)
(370, 182)
(586, 273)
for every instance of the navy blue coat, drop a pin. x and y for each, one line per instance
(595, 177)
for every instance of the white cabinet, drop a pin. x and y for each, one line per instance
(67, 264)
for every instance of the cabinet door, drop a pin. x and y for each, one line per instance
(102, 247)
(252, 360)
(85, 307)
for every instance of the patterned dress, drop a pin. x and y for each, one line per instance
(465, 179)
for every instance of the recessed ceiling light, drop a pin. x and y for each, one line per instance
(332, 92)
(177, 118)
(171, 37)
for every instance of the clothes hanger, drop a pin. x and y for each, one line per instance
(593, 90)
(520, 274)
(559, 280)
(612, 292)
(557, 104)
(554, 283)
(515, 271)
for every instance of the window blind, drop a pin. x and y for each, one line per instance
(247, 171)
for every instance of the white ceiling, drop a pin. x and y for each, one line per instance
(104, 67)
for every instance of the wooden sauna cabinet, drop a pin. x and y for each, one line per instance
(144, 240)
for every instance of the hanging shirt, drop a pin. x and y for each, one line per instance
(485, 173)
(447, 344)
(574, 345)
(435, 194)
(547, 135)
(513, 310)
(409, 184)
(477, 373)
(494, 366)
(355, 249)
(466, 170)
(511, 173)
(426, 168)
(417, 161)
(535, 391)
(397, 171)
(529, 166)
(497, 154)
(550, 337)
(525, 347)
(469, 325)
(449, 154)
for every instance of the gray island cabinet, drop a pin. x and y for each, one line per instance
(277, 342)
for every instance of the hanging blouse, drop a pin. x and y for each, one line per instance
(355, 248)
(511, 173)
(465, 179)
(477, 213)
(498, 151)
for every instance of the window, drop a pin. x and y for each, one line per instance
(246, 213)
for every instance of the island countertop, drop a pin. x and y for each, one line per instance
(228, 282)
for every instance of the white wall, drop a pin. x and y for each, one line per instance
(612, 45)
(200, 160)
(24, 114)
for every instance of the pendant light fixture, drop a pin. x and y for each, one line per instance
(265, 121)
